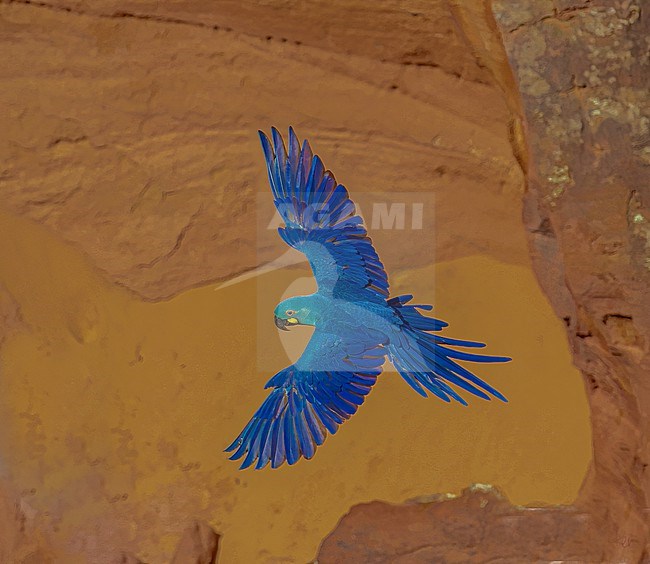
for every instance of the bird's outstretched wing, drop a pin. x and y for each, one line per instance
(321, 221)
(311, 398)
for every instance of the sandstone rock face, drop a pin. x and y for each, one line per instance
(20, 539)
(582, 71)
(10, 317)
(478, 526)
(136, 140)
(129, 148)
(199, 545)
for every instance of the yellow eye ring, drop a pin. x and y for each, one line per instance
(290, 312)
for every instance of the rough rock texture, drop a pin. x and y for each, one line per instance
(20, 539)
(422, 34)
(199, 545)
(127, 559)
(124, 140)
(10, 317)
(582, 70)
(478, 526)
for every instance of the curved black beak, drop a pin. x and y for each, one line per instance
(281, 323)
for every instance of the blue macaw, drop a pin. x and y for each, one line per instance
(357, 324)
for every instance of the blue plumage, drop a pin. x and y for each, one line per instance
(357, 324)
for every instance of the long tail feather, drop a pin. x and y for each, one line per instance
(427, 363)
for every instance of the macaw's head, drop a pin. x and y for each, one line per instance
(294, 311)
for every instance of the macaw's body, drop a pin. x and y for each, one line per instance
(357, 324)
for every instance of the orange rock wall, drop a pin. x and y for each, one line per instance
(130, 182)
(581, 71)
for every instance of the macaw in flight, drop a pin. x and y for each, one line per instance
(357, 324)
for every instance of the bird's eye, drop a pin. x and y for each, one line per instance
(290, 312)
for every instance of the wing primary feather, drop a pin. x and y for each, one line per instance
(315, 426)
(303, 169)
(293, 161)
(277, 445)
(290, 440)
(264, 453)
(280, 160)
(304, 436)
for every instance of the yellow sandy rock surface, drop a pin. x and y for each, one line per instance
(116, 411)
